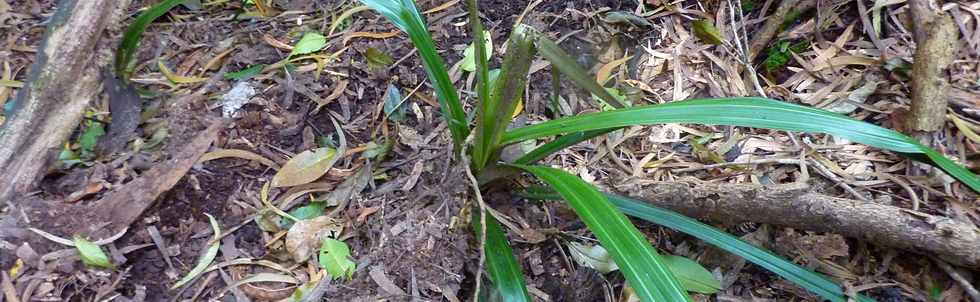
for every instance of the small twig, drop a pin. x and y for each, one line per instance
(830, 175)
(953, 274)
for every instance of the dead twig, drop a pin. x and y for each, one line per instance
(953, 274)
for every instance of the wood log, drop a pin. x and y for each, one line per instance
(63, 80)
(796, 206)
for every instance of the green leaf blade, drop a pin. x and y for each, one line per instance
(569, 67)
(205, 260)
(406, 16)
(746, 112)
(134, 33)
(502, 268)
(310, 42)
(814, 282)
(638, 261)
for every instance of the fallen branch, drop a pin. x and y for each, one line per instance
(62, 81)
(935, 38)
(795, 206)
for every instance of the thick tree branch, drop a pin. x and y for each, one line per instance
(795, 206)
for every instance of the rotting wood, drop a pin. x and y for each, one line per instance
(62, 81)
(796, 206)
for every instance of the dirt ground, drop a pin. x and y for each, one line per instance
(406, 226)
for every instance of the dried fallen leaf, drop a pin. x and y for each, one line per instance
(606, 70)
(222, 153)
(305, 167)
(177, 79)
(691, 275)
(304, 237)
(707, 32)
(261, 277)
(592, 256)
(370, 35)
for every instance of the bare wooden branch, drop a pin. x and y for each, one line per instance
(935, 37)
(63, 79)
(795, 206)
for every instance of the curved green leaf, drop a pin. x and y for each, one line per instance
(406, 16)
(814, 282)
(640, 264)
(206, 258)
(748, 112)
(692, 275)
(567, 65)
(504, 271)
(131, 39)
(92, 254)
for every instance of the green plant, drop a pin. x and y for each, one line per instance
(603, 213)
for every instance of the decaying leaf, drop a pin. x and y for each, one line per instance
(309, 43)
(377, 59)
(707, 32)
(335, 258)
(592, 256)
(304, 237)
(305, 167)
(91, 254)
(261, 277)
(175, 78)
(346, 190)
(692, 276)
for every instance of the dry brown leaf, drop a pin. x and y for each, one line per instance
(370, 35)
(305, 236)
(248, 155)
(606, 70)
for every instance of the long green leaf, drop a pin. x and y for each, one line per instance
(496, 111)
(748, 112)
(482, 146)
(131, 39)
(640, 264)
(502, 268)
(568, 66)
(406, 16)
(810, 280)
(558, 144)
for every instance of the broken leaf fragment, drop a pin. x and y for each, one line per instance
(377, 59)
(92, 254)
(335, 258)
(707, 32)
(305, 167)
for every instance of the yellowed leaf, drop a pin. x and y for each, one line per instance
(964, 127)
(177, 79)
(305, 167)
(606, 70)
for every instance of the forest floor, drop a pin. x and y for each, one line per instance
(401, 212)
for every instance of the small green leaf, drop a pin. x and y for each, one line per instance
(91, 136)
(92, 255)
(692, 276)
(707, 32)
(305, 167)
(335, 258)
(310, 211)
(309, 43)
(377, 59)
(393, 104)
(469, 55)
(246, 73)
